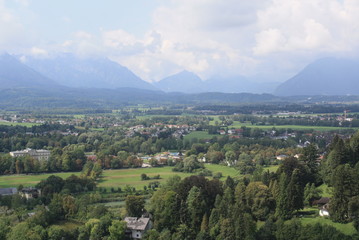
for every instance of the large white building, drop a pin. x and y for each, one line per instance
(41, 154)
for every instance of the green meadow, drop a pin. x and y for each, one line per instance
(115, 178)
(19, 124)
(200, 135)
(347, 229)
(28, 179)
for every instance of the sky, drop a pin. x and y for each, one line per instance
(264, 40)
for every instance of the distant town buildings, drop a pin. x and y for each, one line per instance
(41, 154)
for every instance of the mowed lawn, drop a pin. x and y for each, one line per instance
(29, 179)
(115, 178)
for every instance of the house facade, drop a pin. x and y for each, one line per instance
(30, 192)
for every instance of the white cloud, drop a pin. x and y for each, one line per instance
(234, 37)
(11, 30)
(24, 3)
(211, 37)
(316, 25)
(82, 44)
(118, 38)
(39, 52)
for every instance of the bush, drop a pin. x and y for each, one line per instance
(157, 177)
(204, 173)
(217, 175)
(144, 177)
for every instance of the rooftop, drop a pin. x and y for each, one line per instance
(8, 191)
(134, 223)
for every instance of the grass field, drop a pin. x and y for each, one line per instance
(115, 178)
(271, 169)
(200, 135)
(19, 124)
(226, 171)
(154, 116)
(347, 229)
(28, 180)
(122, 177)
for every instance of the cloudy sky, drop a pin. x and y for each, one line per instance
(266, 40)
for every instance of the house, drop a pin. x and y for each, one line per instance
(137, 227)
(7, 191)
(323, 205)
(30, 192)
(40, 154)
(321, 202)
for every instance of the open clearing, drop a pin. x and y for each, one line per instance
(19, 124)
(115, 178)
(29, 179)
(200, 135)
(347, 229)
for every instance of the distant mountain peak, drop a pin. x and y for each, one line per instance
(183, 81)
(14, 74)
(326, 76)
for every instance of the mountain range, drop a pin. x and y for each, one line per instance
(71, 71)
(14, 74)
(187, 82)
(66, 72)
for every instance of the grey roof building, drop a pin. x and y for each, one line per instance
(136, 227)
(7, 191)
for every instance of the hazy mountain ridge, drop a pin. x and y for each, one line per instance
(188, 82)
(14, 74)
(329, 76)
(113, 98)
(73, 71)
(185, 82)
(326, 77)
